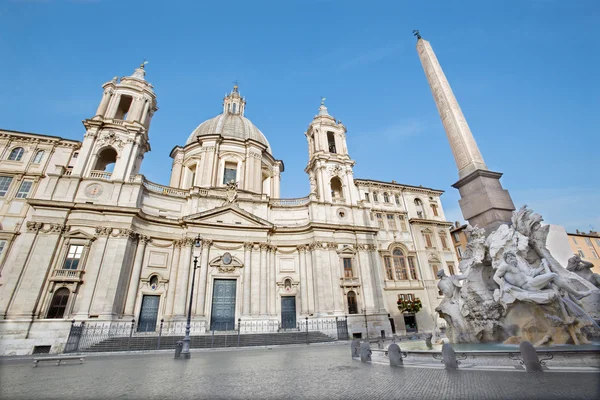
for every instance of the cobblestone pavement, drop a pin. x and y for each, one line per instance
(313, 372)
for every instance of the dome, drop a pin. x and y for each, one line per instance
(229, 125)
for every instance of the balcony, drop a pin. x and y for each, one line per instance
(100, 174)
(353, 281)
(67, 275)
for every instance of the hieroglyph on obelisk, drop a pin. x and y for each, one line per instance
(465, 150)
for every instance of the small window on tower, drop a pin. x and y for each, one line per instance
(331, 142)
(234, 107)
(230, 173)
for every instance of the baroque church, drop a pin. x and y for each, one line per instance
(85, 237)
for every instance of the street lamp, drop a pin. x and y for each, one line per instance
(185, 351)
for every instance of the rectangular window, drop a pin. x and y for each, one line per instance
(388, 268)
(73, 257)
(2, 246)
(593, 253)
(400, 268)
(435, 269)
(443, 239)
(397, 198)
(456, 237)
(331, 142)
(574, 240)
(402, 223)
(380, 220)
(459, 251)
(391, 222)
(412, 268)
(348, 268)
(367, 196)
(588, 241)
(375, 197)
(5, 182)
(230, 172)
(598, 242)
(434, 209)
(451, 268)
(428, 240)
(24, 189)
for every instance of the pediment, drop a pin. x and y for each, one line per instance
(346, 250)
(226, 263)
(229, 215)
(79, 234)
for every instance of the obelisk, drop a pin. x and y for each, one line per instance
(483, 200)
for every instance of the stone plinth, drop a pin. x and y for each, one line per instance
(484, 202)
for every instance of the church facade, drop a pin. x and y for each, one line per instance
(85, 237)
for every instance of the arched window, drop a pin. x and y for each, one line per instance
(331, 142)
(386, 198)
(59, 303)
(38, 157)
(399, 265)
(106, 160)
(336, 188)
(16, 154)
(352, 304)
(419, 207)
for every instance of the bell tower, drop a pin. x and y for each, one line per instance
(116, 138)
(329, 165)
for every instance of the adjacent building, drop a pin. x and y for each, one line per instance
(84, 236)
(587, 246)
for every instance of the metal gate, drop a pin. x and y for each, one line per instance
(342, 328)
(148, 313)
(74, 337)
(288, 312)
(223, 305)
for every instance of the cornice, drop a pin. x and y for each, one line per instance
(430, 222)
(396, 186)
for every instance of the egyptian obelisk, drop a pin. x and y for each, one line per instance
(483, 200)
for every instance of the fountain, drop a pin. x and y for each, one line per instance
(511, 289)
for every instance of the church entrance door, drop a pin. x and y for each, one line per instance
(288, 312)
(222, 317)
(148, 313)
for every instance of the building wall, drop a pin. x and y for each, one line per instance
(459, 239)
(587, 245)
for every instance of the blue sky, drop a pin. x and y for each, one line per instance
(524, 72)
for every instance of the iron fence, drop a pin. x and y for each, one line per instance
(124, 336)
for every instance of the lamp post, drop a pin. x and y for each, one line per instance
(185, 350)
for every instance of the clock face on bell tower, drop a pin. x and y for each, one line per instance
(94, 190)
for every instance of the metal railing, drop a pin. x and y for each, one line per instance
(127, 335)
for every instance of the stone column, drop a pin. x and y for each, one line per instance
(176, 171)
(247, 279)
(272, 284)
(147, 105)
(483, 200)
(183, 277)
(310, 281)
(201, 299)
(366, 278)
(303, 280)
(173, 278)
(377, 272)
(317, 270)
(276, 183)
(336, 290)
(255, 284)
(104, 103)
(114, 104)
(263, 279)
(134, 281)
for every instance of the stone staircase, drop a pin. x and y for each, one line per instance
(140, 343)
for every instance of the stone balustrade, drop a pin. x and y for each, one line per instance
(67, 275)
(289, 202)
(100, 174)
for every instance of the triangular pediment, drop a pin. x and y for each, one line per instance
(78, 234)
(229, 215)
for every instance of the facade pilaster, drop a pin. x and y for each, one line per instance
(318, 283)
(304, 282)
(170, 308)
(336, 290)
(263, 279)
(255, 282)
(201, 299)
(134, 282)
(271, 283)
(366, 278)
(247, 279)
(183, 277)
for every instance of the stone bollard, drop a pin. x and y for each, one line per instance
(428, 337)
(395, 355)
(365, 352)
(355, 348)
(449, 356)
(380, 344)
(178, 347)
(530, 357)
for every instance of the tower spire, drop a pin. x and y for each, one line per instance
(483, 200)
